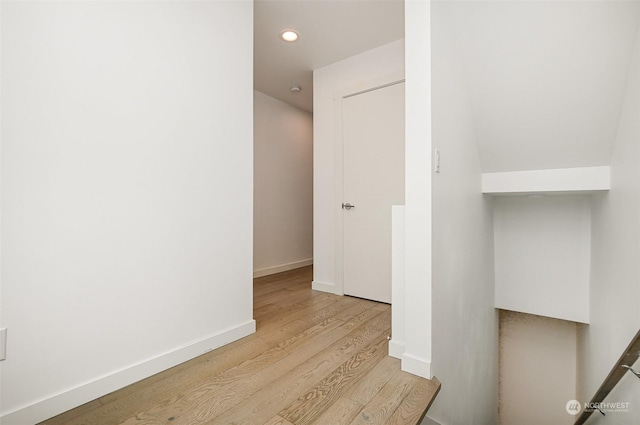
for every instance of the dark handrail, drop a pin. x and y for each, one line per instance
(628, 358)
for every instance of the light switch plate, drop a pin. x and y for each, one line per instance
(3, 344)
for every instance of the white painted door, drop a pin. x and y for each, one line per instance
(373, 143)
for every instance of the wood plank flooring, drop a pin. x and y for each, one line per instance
(316, 358)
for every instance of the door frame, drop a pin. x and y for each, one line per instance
(366, 86)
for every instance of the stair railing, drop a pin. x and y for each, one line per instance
(622, 366)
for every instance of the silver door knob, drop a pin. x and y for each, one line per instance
(348, 206)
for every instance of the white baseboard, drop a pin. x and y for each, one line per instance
(416, 365)
(282, 268)
(324, 287)
(396, 348)
(59, 403)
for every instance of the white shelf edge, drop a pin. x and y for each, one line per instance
(561, 180)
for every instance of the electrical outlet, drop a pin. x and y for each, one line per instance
(3, 343)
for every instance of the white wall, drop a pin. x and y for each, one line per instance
(543, 255)
(417, 272)
(329, 83)
(615, 273)
(546, 79)
(127, 134)
(534, 352)
(282, 186)
(464, 321)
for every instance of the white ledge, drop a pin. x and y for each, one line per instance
(587, 179)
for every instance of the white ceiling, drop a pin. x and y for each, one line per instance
(330, 30)
(546, 80)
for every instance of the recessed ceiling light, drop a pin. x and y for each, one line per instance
(289, 35)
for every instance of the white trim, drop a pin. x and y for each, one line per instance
(59, 403)
(428, 421)
(586, 179)
(325, 287)
(282, 268)
(396, 348)
(338, 192)
(397, 281)
(416, 365)
(393, 83)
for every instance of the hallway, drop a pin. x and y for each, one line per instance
(315, 358)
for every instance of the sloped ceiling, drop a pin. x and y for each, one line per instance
(546, 80)
(330, 30)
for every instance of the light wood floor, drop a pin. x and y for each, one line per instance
(316, 358)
